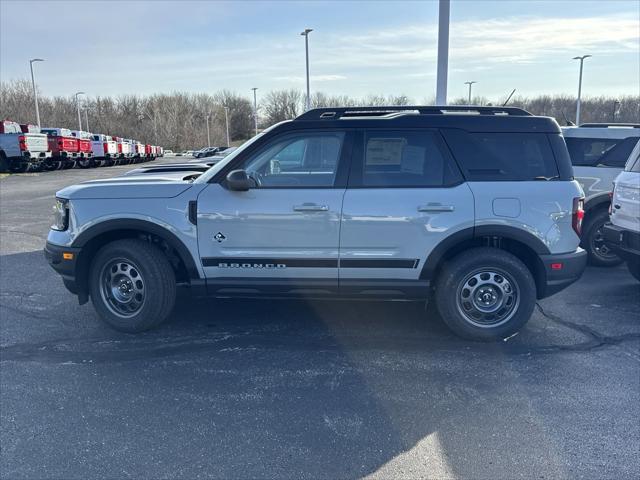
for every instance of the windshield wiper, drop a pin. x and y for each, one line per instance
(546, 179)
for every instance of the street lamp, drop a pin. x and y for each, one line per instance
(444, 9)
(305, 34)
(78, 105)
(616, 104)
(255, 109)
(470, 83)
(33, 82)
(579, 87)
(208, 134)
(226, 119)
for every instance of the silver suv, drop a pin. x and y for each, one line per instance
(473, 206)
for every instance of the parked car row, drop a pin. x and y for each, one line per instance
(25, 147)
(598, 154)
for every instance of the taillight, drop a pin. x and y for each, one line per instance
(577, 215)
(105, 146)
(22, 141)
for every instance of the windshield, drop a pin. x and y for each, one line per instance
(209, 174)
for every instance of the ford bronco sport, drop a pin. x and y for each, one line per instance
(475, 206)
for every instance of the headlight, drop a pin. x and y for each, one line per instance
(61, 215)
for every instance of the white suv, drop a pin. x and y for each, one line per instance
(623, 233)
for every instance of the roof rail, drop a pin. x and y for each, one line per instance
(330, 113)
(602, 125)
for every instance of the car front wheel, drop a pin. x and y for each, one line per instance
(132, 285)
(485, 294)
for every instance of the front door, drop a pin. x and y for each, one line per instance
(282, 236)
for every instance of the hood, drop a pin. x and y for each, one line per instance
(165, 185)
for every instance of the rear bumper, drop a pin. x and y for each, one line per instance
(625, 243)
(561, 270)
(65, 267)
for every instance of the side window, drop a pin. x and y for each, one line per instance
(405, 158)
(502, 156)
(618, 155)
(297, 160)
(588, 151)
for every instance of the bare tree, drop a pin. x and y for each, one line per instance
(178, 120)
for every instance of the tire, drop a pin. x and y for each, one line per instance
(599, 254)
(495, 275)
(634, 267)
(132, 285)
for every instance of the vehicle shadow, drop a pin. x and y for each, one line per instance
(256, 389)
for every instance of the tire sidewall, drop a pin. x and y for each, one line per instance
(598, 218)
(151, 313)
(455, 271)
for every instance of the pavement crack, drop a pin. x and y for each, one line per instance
(597, 339)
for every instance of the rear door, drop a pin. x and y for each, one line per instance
(405, 195)
(281, 236)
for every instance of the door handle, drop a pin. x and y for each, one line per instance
(435, 207)
(310, 207)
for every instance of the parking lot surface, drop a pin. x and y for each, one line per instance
(305, 389)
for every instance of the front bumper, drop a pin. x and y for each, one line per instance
(63, 260)
(625, 243)
(561, 270)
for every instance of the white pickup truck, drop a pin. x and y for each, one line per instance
(105, 149)
(21, 151)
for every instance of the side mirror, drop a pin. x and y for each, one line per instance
(239, 181)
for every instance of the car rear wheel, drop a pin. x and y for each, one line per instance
(132, 285)
(599, 253)
(485, 294)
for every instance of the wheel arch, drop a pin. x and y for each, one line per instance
(92, 239)
(600, 200)
(526, 246)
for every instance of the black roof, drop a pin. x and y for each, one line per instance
(470, 118)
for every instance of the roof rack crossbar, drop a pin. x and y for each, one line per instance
(339, 112)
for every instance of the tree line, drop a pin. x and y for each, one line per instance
(179, 120)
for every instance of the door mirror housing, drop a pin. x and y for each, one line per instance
(239, 181)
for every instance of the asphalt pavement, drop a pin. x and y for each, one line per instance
(305, 389)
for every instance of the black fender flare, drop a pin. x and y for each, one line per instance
(504, 231)
(144, 226)
(596, 201)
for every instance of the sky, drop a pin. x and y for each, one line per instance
(356, 48)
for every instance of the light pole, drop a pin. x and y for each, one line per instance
(470, 83)
(78, 105)
(86, 117)
(443, 52)
(208, 134)
(579, 87)
(226, 119)
(616, 104)
(33, 82)
(305, 34)
(255, 109)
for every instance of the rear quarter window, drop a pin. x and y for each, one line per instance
(589, 151)
(504, 156)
